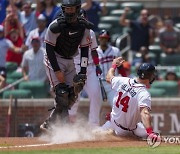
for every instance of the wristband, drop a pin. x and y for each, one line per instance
(149, 130)
(114, 66)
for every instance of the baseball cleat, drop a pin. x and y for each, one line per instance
(45, 127)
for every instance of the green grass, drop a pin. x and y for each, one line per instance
(120, 150)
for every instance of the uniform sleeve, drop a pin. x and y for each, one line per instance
(94, 44)
(144, 99)
(51, 37)
(115, 83)
(86, 40)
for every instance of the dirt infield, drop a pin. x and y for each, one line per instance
(36, 143)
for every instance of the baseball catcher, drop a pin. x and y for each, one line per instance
(64, 35)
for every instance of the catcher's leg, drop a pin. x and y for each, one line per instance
(60, 110)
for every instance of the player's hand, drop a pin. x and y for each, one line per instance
(98, 70)
(60, 76)
(118, 61)
(154, 137)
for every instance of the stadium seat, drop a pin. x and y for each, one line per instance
(38, 89)
(105, 26)
(157, 92)
(135, 7)
(111, 6)
(170, 87)
(114, 20)
(10, 67)
(18, 93)
(170, 60)
(118, 12)
(15, 75)
(156, 49)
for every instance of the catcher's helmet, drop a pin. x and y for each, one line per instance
(104, 34)
(146, 71)
(69, 17)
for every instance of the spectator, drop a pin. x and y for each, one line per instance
(11, 56)
(19, 4)
(106, 54)
(32, 63)
(28, 18)
(12, 22)
(170, 38)
(141, 33)
(5, 45)
(93, 9)
(40, 31)
(142, 56)
(49, 9)
(171, 76)
(3, 5)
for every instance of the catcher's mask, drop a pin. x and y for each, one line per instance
(69, 4)
(147, 71)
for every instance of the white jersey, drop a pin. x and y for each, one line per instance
(106, 58)
(129, 97)
(93, 46)
(35, 33)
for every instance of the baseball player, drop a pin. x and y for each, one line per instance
(91, 86)
(132, 101)
(63, 37)
(106, 54)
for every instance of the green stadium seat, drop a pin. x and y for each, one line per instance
(10, 67)
(170, 87)
(170, 60)
(114, 20)
(110, 6)
(105, 26)
(118, 12)
(156, 49)
(18, 93)
(15, 75)
(38, 89)
(157, 92)
(135, 6)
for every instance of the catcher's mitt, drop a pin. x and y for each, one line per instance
(79, 82)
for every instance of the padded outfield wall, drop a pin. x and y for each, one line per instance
(165, 114)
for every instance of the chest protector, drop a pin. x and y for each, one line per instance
(70, 36)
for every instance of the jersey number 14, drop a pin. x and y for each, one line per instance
(123, 101)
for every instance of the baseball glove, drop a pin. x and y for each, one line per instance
(79, 82)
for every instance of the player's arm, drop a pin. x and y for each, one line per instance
(117, 62)
(146, 120)
(123, 21)
(145, 117)
(50, 40)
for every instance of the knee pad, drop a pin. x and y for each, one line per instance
(62, 94)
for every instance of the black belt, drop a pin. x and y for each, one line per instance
(124, 127)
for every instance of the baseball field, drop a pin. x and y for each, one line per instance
(108, 144)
